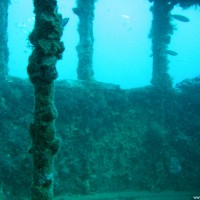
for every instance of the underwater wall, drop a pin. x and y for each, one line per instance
(112, 139)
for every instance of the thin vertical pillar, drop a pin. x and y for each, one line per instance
(47, 49)
(4, 53)
(85, 12)
(160, 34)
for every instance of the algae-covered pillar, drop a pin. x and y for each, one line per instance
(4, 53)
(161, 34)
(85, 12)
(47, 49)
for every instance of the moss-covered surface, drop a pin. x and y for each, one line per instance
(161, 32)
(85, 13)
(112, 139)
(47, 49)
(182, 3)
(4, 52)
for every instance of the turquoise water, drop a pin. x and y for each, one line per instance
(122, 49)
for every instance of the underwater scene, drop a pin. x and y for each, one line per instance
(99, 99)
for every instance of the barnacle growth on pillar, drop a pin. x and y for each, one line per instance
(161, 35)
(85, 12)
(187, 3)
(45, 39)
(4, 53)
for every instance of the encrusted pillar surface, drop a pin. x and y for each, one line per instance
(47, 49)
(4, 53)
(161, 35)
(161, 32)
(85, 12)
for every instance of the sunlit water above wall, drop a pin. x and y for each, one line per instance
(122, 49)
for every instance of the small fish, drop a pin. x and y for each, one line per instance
(125, 16)
(181, 18)
(76, 11)
(171, 53)
(65, 21)
(21, 25)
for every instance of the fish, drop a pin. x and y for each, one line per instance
(65, 21)
(180, 18)
(125, 16)
(171, 53)
(76, 11)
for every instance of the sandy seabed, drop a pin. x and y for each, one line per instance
(131, 195)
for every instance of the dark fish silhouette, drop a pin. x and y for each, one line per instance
(77, 11)
(181, 18)
(65, 21)
(171, 53)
